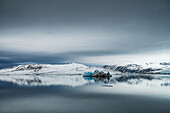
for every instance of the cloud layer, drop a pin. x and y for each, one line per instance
(62, 31)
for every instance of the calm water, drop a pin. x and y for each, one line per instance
(97, 97)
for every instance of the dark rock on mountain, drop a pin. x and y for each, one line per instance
(131, 68)
(34, 67)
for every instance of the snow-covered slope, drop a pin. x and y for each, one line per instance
(79, 69)
(66, 69)
(151, 68)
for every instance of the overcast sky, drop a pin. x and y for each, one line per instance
(86, 31)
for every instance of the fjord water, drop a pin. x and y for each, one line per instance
(97, 97)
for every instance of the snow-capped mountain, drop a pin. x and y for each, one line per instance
(79, 69)
(146, 68)
(66, 69)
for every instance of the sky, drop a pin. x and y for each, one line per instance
(94, 32)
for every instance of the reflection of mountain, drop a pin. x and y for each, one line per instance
(165, 84)
(124, 78)
(46, 80)
(134, 79)
(130, 77)
(141, 80)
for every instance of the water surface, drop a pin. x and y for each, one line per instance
(100, 96)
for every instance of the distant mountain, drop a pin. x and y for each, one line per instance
(79, 69)
(147, 68)
(66, 69)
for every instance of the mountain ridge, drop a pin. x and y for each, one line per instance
(79, 69)
(147, 68)
(71, 68)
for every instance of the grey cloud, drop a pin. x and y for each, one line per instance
(15, 58)
(61, 31)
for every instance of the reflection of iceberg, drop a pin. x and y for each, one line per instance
(142, 80)
(98, 79)
(88, 78)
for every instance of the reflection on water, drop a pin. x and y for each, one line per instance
(46, 80)
(145, 80)
(116, 94)
(79, 80)
(98, 79)
(165, 84)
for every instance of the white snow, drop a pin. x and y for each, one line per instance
(66, 69)
(153, 65)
